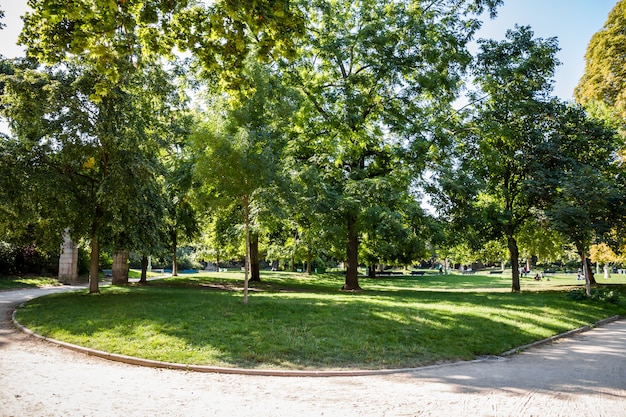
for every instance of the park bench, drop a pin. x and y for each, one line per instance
(417, 272)
(495, 272)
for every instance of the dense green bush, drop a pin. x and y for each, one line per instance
(26, 260)
(597, 294)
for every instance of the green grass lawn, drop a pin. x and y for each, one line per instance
(295, 321)
(9, 283)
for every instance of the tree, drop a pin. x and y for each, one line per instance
(604, 80)
(374, 74)
(239, 149)
(537, 239)
(505, 148)
(589, 200)
(106, 33)
(94, 162)
(181, 214)
(602, 253)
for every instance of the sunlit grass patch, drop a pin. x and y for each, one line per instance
(305, 322)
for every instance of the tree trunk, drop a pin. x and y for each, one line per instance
(94, 265)
(246, 211)
(120, 268)
(586, 272)
(217, 263)
(144, 270)
(592, 277)
(308, 261)
(352, 272)
(372, 271)
(514, 253)
(174, 253)
(255, 271)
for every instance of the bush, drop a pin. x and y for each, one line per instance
(597, 294)
(7, 258)
(26, 260)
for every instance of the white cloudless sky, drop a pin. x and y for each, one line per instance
(573, 22)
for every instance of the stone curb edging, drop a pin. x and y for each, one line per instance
(131, 360)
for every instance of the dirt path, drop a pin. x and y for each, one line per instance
(584, 375)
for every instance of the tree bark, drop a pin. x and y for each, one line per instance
(352, 276)
(372, 271)
(94, 265)
(592, 277)
(144, 270)
(514, 253)
(246, 211)
(174, 253)
(255, 270)
(308, 262)
(586, 272)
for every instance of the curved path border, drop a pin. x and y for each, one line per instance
(270, 372)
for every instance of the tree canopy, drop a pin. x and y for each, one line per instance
(320, 128)
(604, 79)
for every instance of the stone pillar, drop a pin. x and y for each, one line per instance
(120, 268)
(68, 261)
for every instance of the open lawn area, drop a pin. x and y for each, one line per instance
(295, 321)
(8, 283)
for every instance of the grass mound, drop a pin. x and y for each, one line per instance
(294, 321)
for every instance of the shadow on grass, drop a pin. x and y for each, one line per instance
(305, 329)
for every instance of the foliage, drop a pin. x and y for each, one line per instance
(374, 74)
(602, 253)
(25, 260)
(93, 164)
(588, 203)
(537, 239)
(116, 37)
(604, 295)
(501, 168)
(604, 80)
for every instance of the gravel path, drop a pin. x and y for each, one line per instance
(583, 375)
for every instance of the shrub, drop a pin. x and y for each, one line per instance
(7, 258)
(26, 260)
(597, 294)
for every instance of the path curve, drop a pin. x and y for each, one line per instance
(583, 375)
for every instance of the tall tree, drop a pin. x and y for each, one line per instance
(505, 148)
(94, 161)
(240, 148)
(604, 79)
(589, 200)
(375, 74)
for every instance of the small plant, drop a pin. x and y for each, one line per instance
(597, 294)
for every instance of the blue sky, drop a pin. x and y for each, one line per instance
(573, 22)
